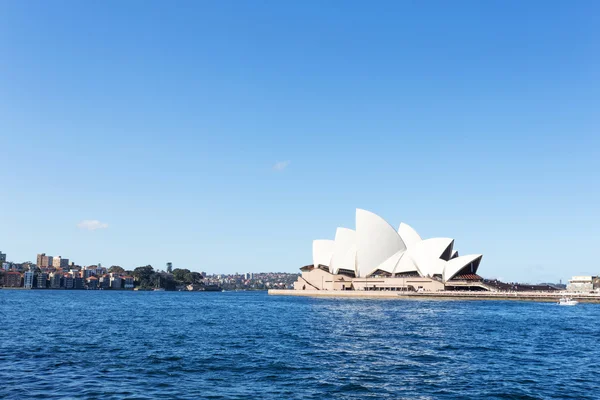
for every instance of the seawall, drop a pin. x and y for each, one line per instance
(521, 296)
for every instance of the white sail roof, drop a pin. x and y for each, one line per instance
(344, 250)
(376, 245)
(406, 264)
(322, 252)
(454, 266)
(408, 235)
(389, 265)
(376, 241)
(426, 255)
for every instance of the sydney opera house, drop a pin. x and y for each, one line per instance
(376, 256)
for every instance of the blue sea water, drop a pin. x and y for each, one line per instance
(149, 345)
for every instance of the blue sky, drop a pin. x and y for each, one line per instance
(225, 136)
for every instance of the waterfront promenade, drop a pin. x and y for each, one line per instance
(443, 295)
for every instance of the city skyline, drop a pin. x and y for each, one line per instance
(225, 136)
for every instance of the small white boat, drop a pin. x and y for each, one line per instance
(567, 301)
(159, 289)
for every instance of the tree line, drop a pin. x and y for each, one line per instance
(146, 277)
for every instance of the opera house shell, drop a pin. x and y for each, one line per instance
(376, 256)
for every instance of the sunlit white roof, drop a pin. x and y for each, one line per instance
(376, 245)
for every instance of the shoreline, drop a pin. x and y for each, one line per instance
(519, 296)
(129, 290)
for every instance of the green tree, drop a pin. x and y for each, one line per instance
(193, 277)
(116, 269)
(145, 276)
(166, 281)
(179, 274)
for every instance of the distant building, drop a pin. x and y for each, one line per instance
(12, 279)
(128, 282)
(78, 282)
(68, 281)
(5, 266)
(89, 271)
(59, 262)
(2, 257)
(44, 261)
(55, 280)
(115, 281)
(582, 284)
(28, 279)
(104, 281)
(17, 267)
(28, 265)
(42, 280)
(92, 283)
(169, 267)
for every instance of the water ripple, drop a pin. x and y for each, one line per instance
(117, 345)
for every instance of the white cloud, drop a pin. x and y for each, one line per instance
(281, 165)
(91, 224)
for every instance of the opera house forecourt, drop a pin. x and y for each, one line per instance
(377, 257)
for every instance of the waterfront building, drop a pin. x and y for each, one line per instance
(2, 257)
(42, 280)
(376, 256)
(115, 281)
(12, 279)
(68, 281)
(28, 279)
(55, 280)
(128, 282)
(583, 284)
(78, 282)
(92, 282)
(104, 281)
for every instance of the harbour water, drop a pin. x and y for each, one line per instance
(248, 345)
